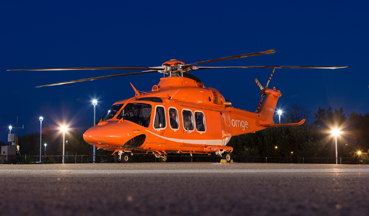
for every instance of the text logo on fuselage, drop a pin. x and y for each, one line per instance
(240, 123)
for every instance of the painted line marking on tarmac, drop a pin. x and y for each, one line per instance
(31, 171)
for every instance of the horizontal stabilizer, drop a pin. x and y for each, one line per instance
(284, 125)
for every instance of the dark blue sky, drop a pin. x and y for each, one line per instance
(42, 34)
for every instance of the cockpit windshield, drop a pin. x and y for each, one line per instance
(138, 113)
(111, 113)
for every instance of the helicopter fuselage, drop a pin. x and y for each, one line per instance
(179, 115)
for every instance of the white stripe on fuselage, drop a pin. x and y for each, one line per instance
(188, 141)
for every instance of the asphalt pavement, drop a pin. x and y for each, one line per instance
(184, 189)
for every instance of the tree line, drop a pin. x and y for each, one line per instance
(29, 144)
(313, 139)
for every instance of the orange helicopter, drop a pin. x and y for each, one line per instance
(179, 115)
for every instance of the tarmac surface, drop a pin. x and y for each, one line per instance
(184, 189)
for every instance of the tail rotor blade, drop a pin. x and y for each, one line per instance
(261, 100)
(269, 79)
(258, 83)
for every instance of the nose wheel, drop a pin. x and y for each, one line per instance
(121, 157)
(126, 157)
(117, 158)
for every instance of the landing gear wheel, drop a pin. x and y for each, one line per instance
(125, 157)
(227, 157)
(163, 158)
(117, 159)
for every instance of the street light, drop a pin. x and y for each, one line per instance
(276, 147)
(41, 119)
(10, 129)
(63, 129)
(94, 102)
(45, 144)
(335, 132)
(279, 112)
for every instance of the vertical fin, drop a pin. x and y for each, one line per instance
(268, 107)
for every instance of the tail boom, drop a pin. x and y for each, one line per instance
(284, 125)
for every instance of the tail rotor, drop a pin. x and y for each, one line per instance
(262, 90)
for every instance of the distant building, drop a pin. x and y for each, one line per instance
(8, 153)
(2, 157)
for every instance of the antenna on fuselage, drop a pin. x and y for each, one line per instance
(137, 93)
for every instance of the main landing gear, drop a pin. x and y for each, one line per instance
(163, 158)
(227, 157)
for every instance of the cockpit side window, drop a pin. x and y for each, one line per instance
(138, 113)
(111, 113)
(187, 120)
(159, 121)
(173, 118)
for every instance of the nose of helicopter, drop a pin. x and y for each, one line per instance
(113, 133)
(95, 136)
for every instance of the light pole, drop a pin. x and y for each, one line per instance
(279, 112)
(63, 129)
(94, 102)
(41, 119)
(9, 136)
(45, 144)
(335, 132)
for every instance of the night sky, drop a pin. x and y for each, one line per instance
(43, 34)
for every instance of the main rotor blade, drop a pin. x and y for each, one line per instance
(231, 57)
(96, 78)
(89, 68)
(292, 67)
(191, 76)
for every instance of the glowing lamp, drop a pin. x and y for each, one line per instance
(64, 128)
(94, 102)
(335, 132)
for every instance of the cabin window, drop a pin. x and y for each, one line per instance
(187, 120)
(200, 121)
(138, 113)
(173, 118)
(159, 121)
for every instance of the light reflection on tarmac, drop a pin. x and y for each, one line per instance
(185, 171)
(184, 189)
